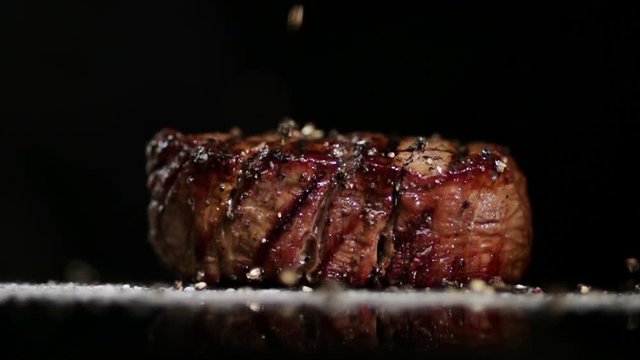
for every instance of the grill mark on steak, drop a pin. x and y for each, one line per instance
(241, 155)
(341, 149)
(248, 175)
(291, 251)
(330, 242)
(286, 248)
(275, 196)
(359, 213)
(284, 220)
(258, 160)
(385, 247)
(378, 210)
(396, 269)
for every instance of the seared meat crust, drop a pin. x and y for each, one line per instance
(364, 208)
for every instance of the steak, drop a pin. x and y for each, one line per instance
(290, 207)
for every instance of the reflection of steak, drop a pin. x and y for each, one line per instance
(299, 331)
(361, 208)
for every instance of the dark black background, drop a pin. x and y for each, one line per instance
(88, 83)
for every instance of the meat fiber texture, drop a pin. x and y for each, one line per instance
(295, 207)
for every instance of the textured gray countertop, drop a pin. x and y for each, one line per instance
(399, 300)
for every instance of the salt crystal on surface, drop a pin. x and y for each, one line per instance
(255, 274)
(200, 285)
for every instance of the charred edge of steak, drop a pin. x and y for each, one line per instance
(253, 162)
(249, 174)
(284, 221)
(400, 245)
(342, 150)
(277, 163)
(174, 162)
(350, 168)
(217, 171)
(384, 247)
(381, 176)
(362, 199)
(166, 155)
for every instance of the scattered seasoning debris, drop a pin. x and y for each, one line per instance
(177, 284)
(286, 128)
(310, 130)
(478, 285)
(307, 289)
(451, 284)
(289, 277)
(498, 284)
(295, 18)
(201, 285)
(200, 275)
(537, 290)
(255, 274)
(584, 289)
(501, 165)
(520, 289)
(255, 307)
(632, 265)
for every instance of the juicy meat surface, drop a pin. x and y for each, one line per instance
(366, 209)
